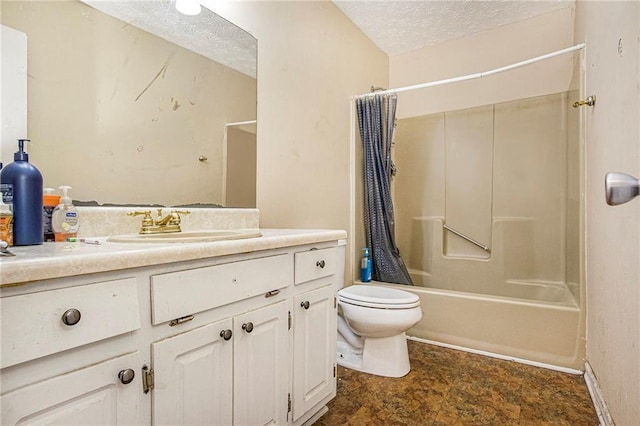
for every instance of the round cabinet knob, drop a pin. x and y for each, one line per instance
(226, 334)
(320, 264)
(248, 327)
(71, 317)
(305, 304)
(126, 376)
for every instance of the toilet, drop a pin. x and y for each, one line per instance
(371, 329)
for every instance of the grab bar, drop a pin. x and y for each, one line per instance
(471, 240)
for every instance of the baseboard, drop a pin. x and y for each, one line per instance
(499, 356)
(604, 417)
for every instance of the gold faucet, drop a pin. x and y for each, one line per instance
(169, 223)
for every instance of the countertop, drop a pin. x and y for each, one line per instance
(54, 260)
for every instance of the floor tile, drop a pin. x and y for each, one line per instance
(449, 387)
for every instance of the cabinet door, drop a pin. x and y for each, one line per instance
(314, 348)
(193, 377)
(94, 395)
(261, 364)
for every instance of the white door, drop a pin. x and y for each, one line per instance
(94, 395)
(261, 365)
(193, 377)
(240, 176)
(314, 348)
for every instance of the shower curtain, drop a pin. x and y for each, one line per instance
(376, 118)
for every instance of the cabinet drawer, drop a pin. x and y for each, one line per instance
(34, 326)
(314, 264)
(182, 293)
(91, 395)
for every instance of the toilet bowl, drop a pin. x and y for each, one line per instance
(371, 329)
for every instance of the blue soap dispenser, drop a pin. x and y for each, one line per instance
(365, 266)
(21, 185)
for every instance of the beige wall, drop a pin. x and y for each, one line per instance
(311, 60)
(120, 115)
(613, 233)
(482, 52)
(13, 70)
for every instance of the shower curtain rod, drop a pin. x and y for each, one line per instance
(476, 75)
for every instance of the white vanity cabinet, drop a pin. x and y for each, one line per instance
(314, 360)
(41, 387)
(107, 393)
(244, 338)
(261, 367)
(314, 325)
(193, 377)
(232, 371)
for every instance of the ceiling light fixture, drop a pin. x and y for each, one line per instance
(188, 7)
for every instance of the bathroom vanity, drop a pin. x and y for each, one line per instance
(228, 332)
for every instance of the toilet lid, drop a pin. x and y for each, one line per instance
(378, 297)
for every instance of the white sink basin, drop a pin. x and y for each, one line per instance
(186, 236)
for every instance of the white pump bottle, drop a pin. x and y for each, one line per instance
(64, 220)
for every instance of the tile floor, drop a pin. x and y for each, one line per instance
(449, 387)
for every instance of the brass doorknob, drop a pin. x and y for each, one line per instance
(590, 101)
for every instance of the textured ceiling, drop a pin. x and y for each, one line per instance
(206, 34)
(402, 26)
(394, 26)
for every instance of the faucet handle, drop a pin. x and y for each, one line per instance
(175, 216)
(147, 220)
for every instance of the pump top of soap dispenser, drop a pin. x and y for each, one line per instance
(20, 155)
(65, 199)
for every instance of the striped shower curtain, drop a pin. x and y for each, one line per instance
(376, 118)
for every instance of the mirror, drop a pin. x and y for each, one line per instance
(128, 117)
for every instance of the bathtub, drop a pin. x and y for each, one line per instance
(539, 325)
(517, 301)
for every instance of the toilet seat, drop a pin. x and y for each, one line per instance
(378, 297)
